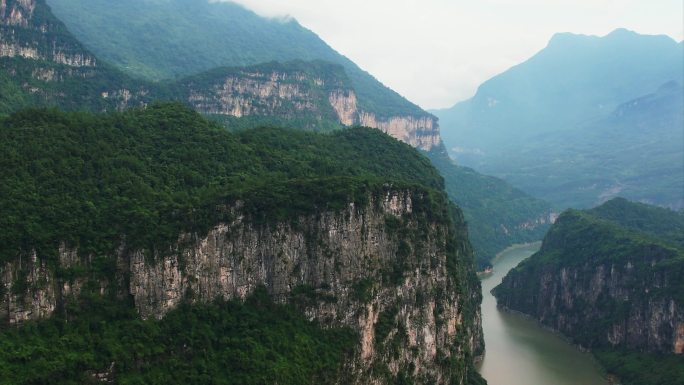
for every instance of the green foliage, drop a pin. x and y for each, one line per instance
(654, 221)
(496, 212)
(640, 245)
(146, 175)
(172, 39)
(362, 290)
(614, 234)
(254, 342)
(387, 321)
(633, 368)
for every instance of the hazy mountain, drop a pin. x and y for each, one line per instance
(520, 124)
(497, 213)
(637, 151)
(159, 39)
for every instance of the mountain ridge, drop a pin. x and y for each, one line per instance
(528, 124)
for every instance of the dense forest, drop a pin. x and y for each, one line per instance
(183, 38)
(147, 174)
(250, 342)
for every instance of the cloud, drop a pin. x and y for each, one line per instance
(436, 52)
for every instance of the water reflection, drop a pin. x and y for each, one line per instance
(519, 351)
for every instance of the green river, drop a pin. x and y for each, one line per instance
(519, 351)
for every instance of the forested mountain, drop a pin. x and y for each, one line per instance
(45, 65)
(165, 39)
(498, 215)
(555, 125)
(610, 279)
(111, 218)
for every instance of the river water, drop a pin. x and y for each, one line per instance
(519, 351)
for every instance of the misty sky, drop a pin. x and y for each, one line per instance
(436, 52)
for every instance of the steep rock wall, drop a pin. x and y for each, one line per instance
(295, 94)
(381, 269)
(573, 300)
(633, 301)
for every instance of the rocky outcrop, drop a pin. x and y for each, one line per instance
(576, 300)
(601, 286)
(344, 104)
(301, 91)
(419, 132)
(381, 268)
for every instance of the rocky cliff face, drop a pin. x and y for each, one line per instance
(53, 68)
(402, 281)
(300, 90)
(601, 288)
(562, 299)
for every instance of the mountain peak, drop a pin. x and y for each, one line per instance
(618, 35)
(622, 33)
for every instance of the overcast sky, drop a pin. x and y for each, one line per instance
(436, 52)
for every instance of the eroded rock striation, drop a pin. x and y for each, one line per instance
(400, 278)
(607, 278)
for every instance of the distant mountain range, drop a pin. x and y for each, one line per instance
(569, 124)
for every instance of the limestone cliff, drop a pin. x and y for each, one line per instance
(603, 285)
(402, 280)
(51, 67)
(300, 91)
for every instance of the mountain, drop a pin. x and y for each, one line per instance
(635, 151)
(43, 64)
(609, 278)
(498, 215)
(314, 95)
(165, 39)
(155, 245)
(552, 126)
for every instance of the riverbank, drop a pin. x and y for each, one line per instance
(489, 271)
(518, 351)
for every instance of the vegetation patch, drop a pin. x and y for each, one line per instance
(255, 342)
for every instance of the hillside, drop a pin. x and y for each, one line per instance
(497, 214)
(43, 64)
(554, 126)
(119, 228)
(166, 39)
(609, 279)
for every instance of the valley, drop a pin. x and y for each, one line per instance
(202, 192)
(519, 351)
